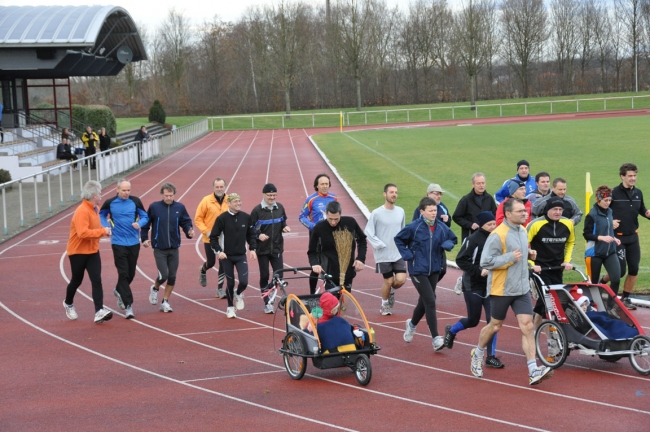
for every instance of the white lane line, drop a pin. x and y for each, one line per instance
(295, 155)
(242, 160)
(165, 377)
(220, 331)
(234, 376)
(268, 166)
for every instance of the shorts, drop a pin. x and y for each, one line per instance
(521, 305)
(388, 269)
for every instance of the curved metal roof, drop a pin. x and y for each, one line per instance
(65, 41)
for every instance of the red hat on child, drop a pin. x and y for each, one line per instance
(328, 302)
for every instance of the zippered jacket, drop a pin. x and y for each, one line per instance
(469, 260)
(122, 213)
(552, 240)
(507, 277)
(600, 222)
(166, 222)
(270, 221)
(237, 230)
(207, 212)
(627, 205)
(313, 211)
(504, 193)
(423, 249)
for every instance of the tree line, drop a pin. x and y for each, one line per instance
(356, 53)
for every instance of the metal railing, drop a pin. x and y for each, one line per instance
(409, 115)
(184, 134)
(66, 185)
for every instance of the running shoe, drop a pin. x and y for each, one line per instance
(410, 331)
(438, 343)
(391, 298)
(493, 362)
(477, 365)
(230, 312)
(120, 303)
(449, 337)
(239, 301)
(458, 288)
(103, 315)
(129, 312)
(70, 311)
(166, 307)
(220, 293)
(539, 374)
(385, 309)
(268, 308)
(628, 304)
(153, 295)
(203, 278)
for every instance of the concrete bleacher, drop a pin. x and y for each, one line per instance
(25, 152)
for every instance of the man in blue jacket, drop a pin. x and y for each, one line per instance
(125, 215)
(523, 175)
(166, 219)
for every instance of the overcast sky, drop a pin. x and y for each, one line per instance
(152, 13)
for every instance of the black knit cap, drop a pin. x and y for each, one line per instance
(523, 162)
(269, 188)
(554, 202)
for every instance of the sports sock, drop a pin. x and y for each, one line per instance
(625, 294)
(458, 327)
(532, 364)
(384, 302)
(478, 352)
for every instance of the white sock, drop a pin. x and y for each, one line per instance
(478, 352)
(384, 302)
(532, 364)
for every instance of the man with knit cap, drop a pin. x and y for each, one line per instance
(237, 230)
(516, 189)
(269, 221)
(523, 175)
(383, 225)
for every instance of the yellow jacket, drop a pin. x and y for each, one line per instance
(207, 212)
(92, 137)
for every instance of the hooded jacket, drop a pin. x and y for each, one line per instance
(422, 248)
(507, 276)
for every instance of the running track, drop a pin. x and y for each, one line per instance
(194, 369)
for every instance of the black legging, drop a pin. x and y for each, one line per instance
(611, 266)
(79, 263)
(264, 261)
(211, 261)
(426, 286)
(475, 301)
(629, 254)
(228, 265)
(126, 260)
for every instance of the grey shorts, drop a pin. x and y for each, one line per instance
(388, 269)
(521, 305)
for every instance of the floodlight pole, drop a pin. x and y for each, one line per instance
(636, 70)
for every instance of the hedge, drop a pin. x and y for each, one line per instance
(97, 116)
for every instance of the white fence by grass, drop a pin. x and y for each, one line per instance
(409, 115)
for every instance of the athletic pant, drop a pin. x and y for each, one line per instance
(91, 263)
(167, 265)
(426, 286)
(126, 259)
(229, 264)
(475, 301)
(211, 261)
(264, 261)
(629, 254)
(611, 266)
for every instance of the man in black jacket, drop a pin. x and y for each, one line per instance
(472, 204)
(627, 205)
(269, 222)
(337, 234)
(237, 230)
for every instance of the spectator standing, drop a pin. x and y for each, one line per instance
(571, 209)
(237, 229)
(126, 215)
(211, 207)
(269, 222)
(333, 244)
(504, 256)
(382, 227)
(627, 205)
(420, 244)
(314, 211)
(166, 219)
(104, 140)
(472, 204)
(83, 252)
(523, 175)
(90, 140)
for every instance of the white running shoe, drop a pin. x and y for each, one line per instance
(458, 288)
(230, 312)
(385, 310)
(153, 295)
(540, 373)
(410, 331)
(268, 308)
(476, 365)
(120, 303)
(103, 315)
(70, 311)
(128, 314)
(166, 307)
(239, 301)
(220, 293)
(438, 343)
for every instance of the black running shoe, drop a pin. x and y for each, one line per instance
(449, 337)
(493, 362)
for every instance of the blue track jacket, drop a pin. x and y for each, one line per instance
(421, 248)
(504, 193)
(165, 222)
(122, 214)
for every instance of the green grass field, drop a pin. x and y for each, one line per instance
(125, 124)
(412, 158)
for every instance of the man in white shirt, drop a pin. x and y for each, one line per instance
(384, 224)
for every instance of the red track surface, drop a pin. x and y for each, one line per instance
(194, 369)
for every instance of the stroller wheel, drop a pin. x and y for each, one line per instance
(295, 364)
(640, 358)
(363, 369)
(551, 344)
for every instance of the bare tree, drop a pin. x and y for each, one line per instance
(586, 30)
(564, 17)
(441, 24)
(602, 28)
(175, 42)
(619, 45)
(383, 37)
(629, 13)
(524, 27)
(471, 39)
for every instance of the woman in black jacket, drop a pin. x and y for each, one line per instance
(104, 140)
(475, 285)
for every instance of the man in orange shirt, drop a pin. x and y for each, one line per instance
(83, 252)
(207, 212)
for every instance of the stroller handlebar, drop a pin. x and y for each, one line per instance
(555, 268)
